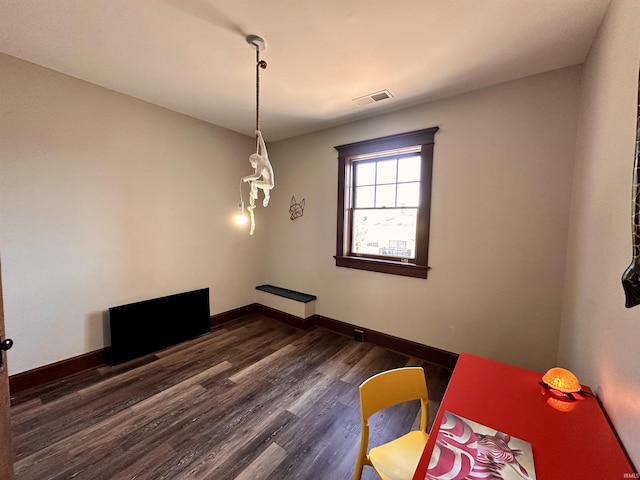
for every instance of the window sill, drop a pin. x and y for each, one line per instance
(383, 266)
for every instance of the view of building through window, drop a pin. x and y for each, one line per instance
(387, 197)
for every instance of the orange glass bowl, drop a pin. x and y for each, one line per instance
(561, 380)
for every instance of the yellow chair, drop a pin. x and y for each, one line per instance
(397, 459)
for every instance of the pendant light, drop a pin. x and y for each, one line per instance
(262, 177)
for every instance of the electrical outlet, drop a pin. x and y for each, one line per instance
(358, 335)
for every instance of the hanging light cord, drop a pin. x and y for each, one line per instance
(257, 94)
(259, 64)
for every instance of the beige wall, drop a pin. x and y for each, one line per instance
(106, 200)
(502, 180)
(600, 339)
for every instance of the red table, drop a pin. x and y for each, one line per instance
(572, 444)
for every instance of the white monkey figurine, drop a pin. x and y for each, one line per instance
(262, 176)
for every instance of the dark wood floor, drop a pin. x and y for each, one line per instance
(255, 399)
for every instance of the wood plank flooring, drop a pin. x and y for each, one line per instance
(255, 399)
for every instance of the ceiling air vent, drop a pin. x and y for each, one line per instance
(373, 97)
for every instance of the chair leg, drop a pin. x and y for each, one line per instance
(362, 456)
(357, 474)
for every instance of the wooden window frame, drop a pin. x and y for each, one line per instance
(346, 153)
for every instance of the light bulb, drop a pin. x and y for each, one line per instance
(240, 217)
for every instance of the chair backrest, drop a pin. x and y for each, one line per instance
(392, 387)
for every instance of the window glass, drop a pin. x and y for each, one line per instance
(365, 173)
(385, 196)
(365, 197)
(408, 194)
(386, 171)
(388, 232)
(409, 169)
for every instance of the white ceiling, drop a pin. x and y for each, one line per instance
(191, 55)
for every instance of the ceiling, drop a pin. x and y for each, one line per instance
(191, 56)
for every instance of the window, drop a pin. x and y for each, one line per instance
(384, 197)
